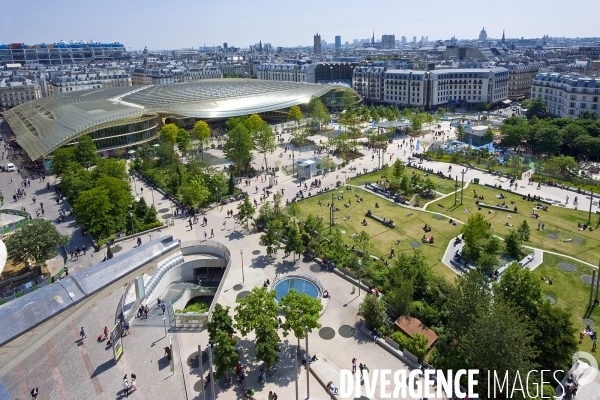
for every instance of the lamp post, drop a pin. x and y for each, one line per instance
(307, 365)
(242, 255)
(217, 196)
(462, 186)
(132, 228)
(152, 190)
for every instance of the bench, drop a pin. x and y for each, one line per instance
(324, 372)
(510, 210)
(526, 260)
(387, 222)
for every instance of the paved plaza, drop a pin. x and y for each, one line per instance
(63, 368)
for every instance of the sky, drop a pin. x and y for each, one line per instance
(176, 24)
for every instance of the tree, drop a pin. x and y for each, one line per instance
(245, 210)
(373, 311)
(201, 133)
(312, 225)
(475, 234)
(294, 239)
(565, 163)
(226, 355)
(570, 132)
(513, 244)
(317, 110)
(483, 106)
(429, 186)
(470, 297)
(258, 312)
(184, 143)
(547, 139)
(219, 321)
(522, 288)
(86, 152)
(231, 184)
(194, 191)
(168, 133)
(488, 136)
(524, 231)
(348, 99)
(110, 167)
(587, 114)
(417, 122)
(94, 210)
(238, 147)
(554, 336)
(293, 209)
(61, 158)
(301, 311)
(271, 237)
(536, 108)
(264, 140)
(35, 242)
(363, 243)
(294, 114)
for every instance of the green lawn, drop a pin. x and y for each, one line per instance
(570, 292)
(409, 225)
(559, 221)
(443, 185)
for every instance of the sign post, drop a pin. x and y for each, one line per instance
(117, 344)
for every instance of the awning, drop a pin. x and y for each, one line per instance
(506, 101)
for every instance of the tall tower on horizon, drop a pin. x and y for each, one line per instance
(503, 37)
(317, 44)
(373, 38)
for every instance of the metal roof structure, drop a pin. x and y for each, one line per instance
(43, 125)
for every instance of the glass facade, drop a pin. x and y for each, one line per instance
(126, 135)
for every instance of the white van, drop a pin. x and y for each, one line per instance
(10, 167)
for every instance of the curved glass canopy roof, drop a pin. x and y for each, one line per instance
(43, 125)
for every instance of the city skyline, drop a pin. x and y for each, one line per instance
(268, 21)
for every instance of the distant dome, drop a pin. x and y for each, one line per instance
(82, 42)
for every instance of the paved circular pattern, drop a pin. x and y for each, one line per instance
(241, 295)
(326, 333)
(552, 236)
(588, 321)
(116, 249)
(255, 252)
(346, 331)
(315, 268)
(577, 240)
(166, 216)
(192, 360)
(438, 216)
(163, 210)
(567, 267)
(198, 387)
(237, 288)
(551, 299)
(587, 279)
(414, 244)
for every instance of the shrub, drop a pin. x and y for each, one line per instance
(417, 345)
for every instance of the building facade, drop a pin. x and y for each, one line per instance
(61, 53)
(567, 95)
(520, 77)
(75, 82)
(592, 52)
(368, 82)
(338, 42)
(388, 42)
(162, 76)
(17, 90)
(281, 72)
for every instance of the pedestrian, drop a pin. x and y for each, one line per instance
(162, 306)
(360, 367)
(66, 270)
(82, 333)
(205, 235)
(261, 376)
(34, 393)
(353, 365)
(84, 247)
(224, 225)
(270, 397)
(594, 342)
(212, 233)
(539, 225)
(106, 332)
(125, 387)
(133, 383)
(139, 241)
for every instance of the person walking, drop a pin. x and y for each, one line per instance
(224, 225)
(353, 365)
(82, 333)
(34, 393)
(360, 367)
(205, 235)
(139, 241)
(133, 383)
(162, 306)
(594, 343)
(212, 233)
(125, 386)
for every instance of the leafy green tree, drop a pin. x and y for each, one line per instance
(85, 152)
(398, 169)
(373, 311)
(569, 133)
(184, 143)
(405, 186)
(226, 355)
(587, 114)
(110, 167)
(524, 231)
(313, 225)
(201, 133)
(293, 209)
(271, 237)
(264, 140)
(245, 210)
(317, 110)
(253, 124)
(194, 191)
(141, 209)
(475, 234)
(488, 136)
(61, 158)
(295, 114)
(35, 242)
(220, 320)
(94, 210)
(231, 184)
(513, 244)
(168, 133)
(301, 311)
(555, 336)
(166, 154)
(470, 297)
(536, 108)
(294, 239)
(522, 288)
(548, 139)
(460, 132)
(565, 163)
(259, 312)
(75, 180)
(483, 106)
(238, 147)
(400, 296)
(363, 243)
(348, 100)
(429, 186)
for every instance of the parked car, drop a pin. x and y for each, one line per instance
(10, 167)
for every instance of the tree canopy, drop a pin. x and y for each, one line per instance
(238, 147)
(35, 242)
(168, 133)
(86, 152)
